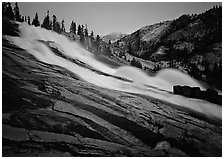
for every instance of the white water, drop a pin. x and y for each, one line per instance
(30, 40)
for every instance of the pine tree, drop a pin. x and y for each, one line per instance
(58, 28)
(46, 22)
(28, 20)
(51, 25)
(36, 21)
(97, 38)
(54, 22)
(22, 19)
(82, 29)
(92, 36)
(8, 11)
(72, 27)
(86, 31)
(81, 33)
(79, 30)
(63, 25)
(17, 13)
(98, 43)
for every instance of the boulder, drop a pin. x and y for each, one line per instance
(203, 95)
(219, 100)
(177, 89)
(196, 92)
(186, 91)
(211, 95)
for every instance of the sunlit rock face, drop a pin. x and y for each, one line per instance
(58, 100)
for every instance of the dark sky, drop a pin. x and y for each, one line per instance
(106, 17)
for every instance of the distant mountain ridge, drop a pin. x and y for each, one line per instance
(192, 29)
(113, 37)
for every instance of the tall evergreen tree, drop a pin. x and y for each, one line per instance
(54, 23)
(51, 25)
(82, 38)
(86, 31)
(98, 43)
(58, 28)
(97, 38)
(82, 29)
(17, 13)
(22, 19)
(72, 27)
(46, 22)
(92, 36)
(63, 25)
(28, 20)
(81, 33)
(79, 30)
(8, 11)
(36, 21)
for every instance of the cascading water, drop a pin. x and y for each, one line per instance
(158, 86)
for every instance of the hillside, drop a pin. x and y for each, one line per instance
(147, 36)
(191, 43)
(113, 37)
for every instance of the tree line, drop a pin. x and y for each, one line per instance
(50, 24)
(87, 39)
(14, 14)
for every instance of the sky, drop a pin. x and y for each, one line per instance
(107, 17)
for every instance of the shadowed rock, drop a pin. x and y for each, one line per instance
(210, 95)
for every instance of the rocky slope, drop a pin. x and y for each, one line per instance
(141, 41)
(113, 37)
(50, 111)
(192, 33)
